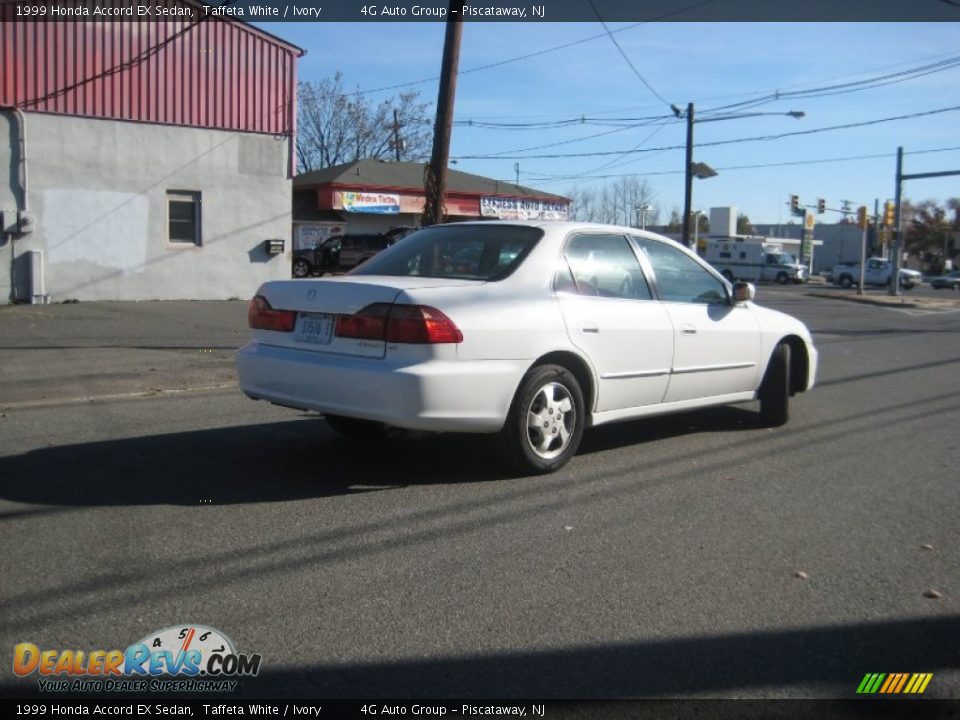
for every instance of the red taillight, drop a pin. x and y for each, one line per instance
(367, 324)
(421, 324)
(263, 317)
(418, 324)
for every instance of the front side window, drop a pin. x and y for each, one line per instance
(183, 217)
(466, 252)
(604, 265)
(679, 277)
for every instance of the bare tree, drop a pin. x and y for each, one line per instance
(620, 202)
(335, 127)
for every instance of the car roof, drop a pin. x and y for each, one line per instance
(565, 226)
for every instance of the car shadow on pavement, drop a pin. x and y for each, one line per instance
(725, 418)
(288, 460)
(827, 661)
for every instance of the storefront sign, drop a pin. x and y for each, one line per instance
(522, 209)
(307, 235)
(377, 203)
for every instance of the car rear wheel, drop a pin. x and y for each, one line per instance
(546, 420)
(782, 278)
(356, 428)
(301, 268)
(846, 281)
(775, 388)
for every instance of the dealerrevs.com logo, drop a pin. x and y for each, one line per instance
(183, 658)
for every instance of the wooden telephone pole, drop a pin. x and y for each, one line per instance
(435, 176)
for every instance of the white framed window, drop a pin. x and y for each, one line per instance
(183, 217)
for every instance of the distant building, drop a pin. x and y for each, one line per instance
(143, 160)
(370, 196)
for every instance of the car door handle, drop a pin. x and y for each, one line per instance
(589, 327)
(688, 330)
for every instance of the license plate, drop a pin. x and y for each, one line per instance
(314, 328)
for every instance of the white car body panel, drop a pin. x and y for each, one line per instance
(629, 342)
(716, 350)
(643, 360)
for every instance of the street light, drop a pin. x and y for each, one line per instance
(643, 210)
(702, 170)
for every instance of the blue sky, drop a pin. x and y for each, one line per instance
(710, 64)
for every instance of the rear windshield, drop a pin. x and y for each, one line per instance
(466, 252)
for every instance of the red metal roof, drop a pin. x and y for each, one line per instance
(213, 72)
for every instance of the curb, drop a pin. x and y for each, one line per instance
(887, 301)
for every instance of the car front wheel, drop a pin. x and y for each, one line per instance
(775, 388)
(546, 420)
(301, 268)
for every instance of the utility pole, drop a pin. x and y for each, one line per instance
(435, 179)
(688, 178)
(876, 228)
(894, 288)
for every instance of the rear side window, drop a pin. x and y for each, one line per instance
(467, 252)
(602, 265)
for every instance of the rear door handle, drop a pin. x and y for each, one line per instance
(589, 327)
(688, 330)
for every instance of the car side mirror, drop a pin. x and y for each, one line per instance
(743, 292)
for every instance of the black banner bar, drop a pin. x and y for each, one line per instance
(489, 10)
(58, 708)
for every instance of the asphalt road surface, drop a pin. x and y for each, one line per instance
(696, 555)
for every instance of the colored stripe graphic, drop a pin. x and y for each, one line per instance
(894, 683)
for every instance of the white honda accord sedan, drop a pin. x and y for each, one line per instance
(531, 329)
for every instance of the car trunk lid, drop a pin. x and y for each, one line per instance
(318, 304)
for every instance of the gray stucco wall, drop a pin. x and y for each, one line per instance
(98, 199)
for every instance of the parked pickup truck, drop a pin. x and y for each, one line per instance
(878, 273)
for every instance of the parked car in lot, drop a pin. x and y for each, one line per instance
(343, 252)
(520, 336)
(878, 273)
(950, 281)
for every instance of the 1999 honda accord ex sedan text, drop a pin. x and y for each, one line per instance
(533, 330)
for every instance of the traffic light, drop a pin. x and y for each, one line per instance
(821, 206)
(862, 217)
(889, 213)
(795, 204)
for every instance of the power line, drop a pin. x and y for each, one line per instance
(489, 118)
(537, 53)
(626, 58)
(845, 88)
(822, 91)
(553, 124)
(758, 138)
(786, 163)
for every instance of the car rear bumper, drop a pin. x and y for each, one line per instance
(435, 395)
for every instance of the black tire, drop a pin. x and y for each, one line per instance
(783, 278)
(552, 394)
(301, 268)
(728, 275)
(846, 281)
(775, 389)
(356, 428)
(955, 287)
